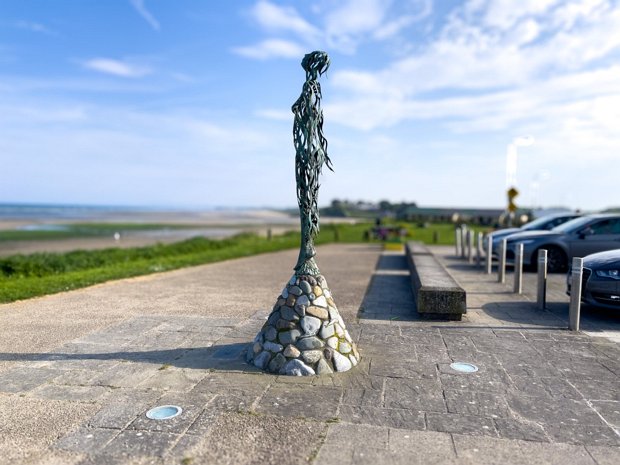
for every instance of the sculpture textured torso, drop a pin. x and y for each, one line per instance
(311, 154)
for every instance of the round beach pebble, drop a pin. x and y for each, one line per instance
(305, 287)
(341, 363)
(310, 325)
(296, 367)
(291, 351)
(311, 356)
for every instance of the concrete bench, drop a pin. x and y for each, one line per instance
(437, 294)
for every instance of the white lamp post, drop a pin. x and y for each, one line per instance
(511, 171)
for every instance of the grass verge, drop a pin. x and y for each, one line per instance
(26, 276)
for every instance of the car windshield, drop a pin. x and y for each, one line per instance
(572, 225)
(536, 224)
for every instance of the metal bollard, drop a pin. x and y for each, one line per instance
(501, 268)
(541, 296)
(518, 283)
(489, 254)
(479, 239)
(574, 309)
(457, 240)
(470, 246)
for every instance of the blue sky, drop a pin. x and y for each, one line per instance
(187, 102)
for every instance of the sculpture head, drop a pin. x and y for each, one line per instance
(315, 63)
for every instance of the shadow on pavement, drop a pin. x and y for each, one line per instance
(389, 295)
(554, 315)
(218, 357)
(524, 313)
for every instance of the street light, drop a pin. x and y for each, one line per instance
(511, 172)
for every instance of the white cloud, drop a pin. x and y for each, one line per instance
(550, 100)
(567, 15)
(504, 14)
(342, 26)
(420, 9)
(524, 33)
(354, 18)
(277, 18)
(271, 48)
(392, 28)
(468, 56)
(116, 67)
(34, 27)
(276, 115)
(146, 14)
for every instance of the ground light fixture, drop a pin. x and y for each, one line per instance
(164, 412)
(463, 367)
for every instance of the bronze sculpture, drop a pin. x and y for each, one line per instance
(305, 334)
(311, 155)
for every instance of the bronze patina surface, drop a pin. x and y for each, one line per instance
(311, 155)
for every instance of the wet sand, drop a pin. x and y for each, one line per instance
(216, 224)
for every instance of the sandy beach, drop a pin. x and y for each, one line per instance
(212, 224)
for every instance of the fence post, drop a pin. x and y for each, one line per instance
(457, 240)
(489, 254)
(574, 309)
(463, 240)
(501, 268)
(518, 283)
(541, 296)
(479, 240)
(269, 234)
(435, 237)
(470, 246)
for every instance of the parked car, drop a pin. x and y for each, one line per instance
(575, 238)
(601, 279)
(544, 223)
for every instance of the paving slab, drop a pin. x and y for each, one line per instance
(77, 389)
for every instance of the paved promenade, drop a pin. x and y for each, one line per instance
(79, 370)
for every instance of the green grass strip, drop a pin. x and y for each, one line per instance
(26, 276)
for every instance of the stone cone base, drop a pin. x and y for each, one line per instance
(304, 334)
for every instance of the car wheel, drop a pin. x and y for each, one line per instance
(557, 261)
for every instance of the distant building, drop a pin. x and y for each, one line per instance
(481, 216)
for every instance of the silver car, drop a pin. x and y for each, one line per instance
(576, 238)
(544, 223)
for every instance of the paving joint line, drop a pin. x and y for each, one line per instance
(591, 407)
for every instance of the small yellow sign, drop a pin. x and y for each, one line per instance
(512, 193)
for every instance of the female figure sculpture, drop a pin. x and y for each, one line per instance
(305, 334)
(311, 154)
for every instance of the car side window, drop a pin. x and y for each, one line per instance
(611, 226)
(615, 226)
